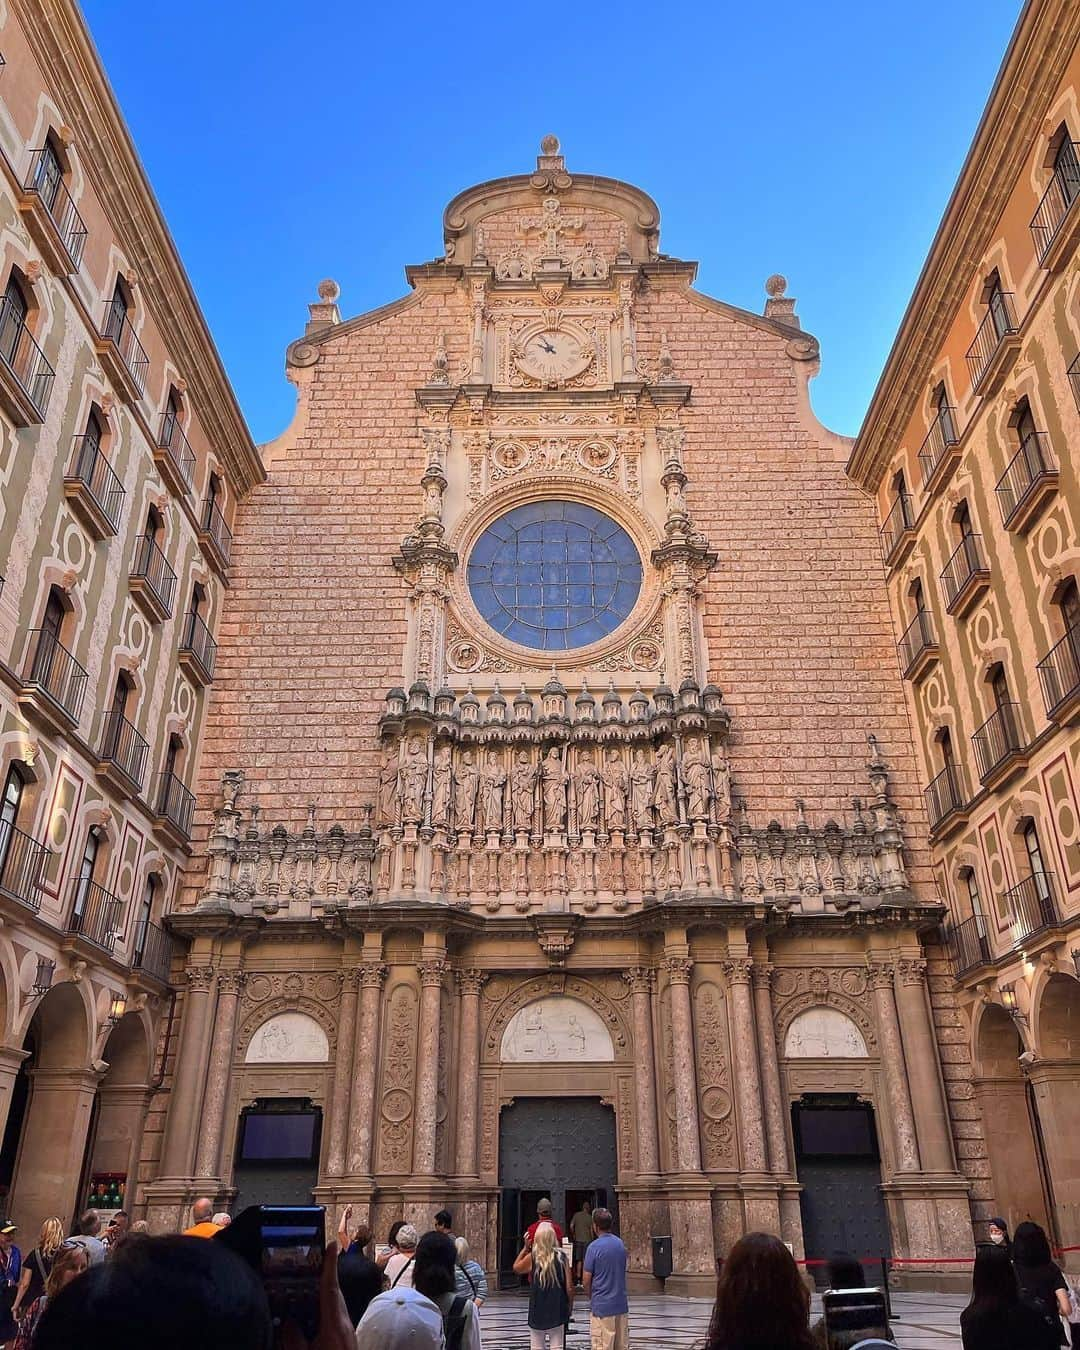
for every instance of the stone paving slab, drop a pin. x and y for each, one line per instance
(921, 1322)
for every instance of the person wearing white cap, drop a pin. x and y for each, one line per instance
(401, 1319)
(399, 1269)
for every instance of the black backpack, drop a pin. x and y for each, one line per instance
(455, 1320)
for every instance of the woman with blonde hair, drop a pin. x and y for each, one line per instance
(551, 1290)
(37, 1265)
(68, 1264)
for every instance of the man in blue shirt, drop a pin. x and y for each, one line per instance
(606, 1259)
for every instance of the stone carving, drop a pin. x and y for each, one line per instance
(553, 778)
(642, 784)
(395, 1127)
(288, 1038)
(492, 785)
(522, 791)
(587, 792)
(664, 790)
(466, 783)
(714, 1086)
(696, 774)
(388, 785)
(615, 789)
(556, 1030)
(823, 1033)
(721, 787)
(489, 1125)
(548, 986)
(441, 786)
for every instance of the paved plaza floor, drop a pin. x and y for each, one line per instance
(921, 1322)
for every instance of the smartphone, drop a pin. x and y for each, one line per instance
(286, 1246)
(854, 1315)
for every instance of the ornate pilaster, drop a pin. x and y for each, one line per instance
(343, 1069)
(688, 1136)
(641, 981)
(470, 984)
(747, 1080)
(427, 1076)
(362, 1114)
(190, 1074)
(208, 1159)
(770, 1069)
(927, 1094)
(892, 1060)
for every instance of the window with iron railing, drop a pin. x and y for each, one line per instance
(1061, 192)
(46, 178)
(21, 354)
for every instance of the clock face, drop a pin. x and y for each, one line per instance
(553, 356)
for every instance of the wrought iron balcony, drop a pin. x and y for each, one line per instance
(1074, 379)
(93, 488)
(122, 751)
(152, 951)
(1032, 477)
(174, 455)
(1032, 906)
(967, 944)
(993, 339)
(198, 650)
(26, 378)
(122, 353)
(51, 674)
(897, 529)
(997, 742)
(95, 913)
(174, 804)
(965, 576)
(215, 534)
(918, 648)
(23, 861)
(1059, 674)
(939, 447)
(944, 796)
(152, 580)
(63, 216)
(1062, 191)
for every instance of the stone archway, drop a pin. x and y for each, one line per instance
(122, 1101)
(1055, 1085)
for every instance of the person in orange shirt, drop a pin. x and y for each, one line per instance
(203, 1226)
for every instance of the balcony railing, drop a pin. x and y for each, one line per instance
(1059, 671)
(897, 523)
(24, 358)
(998, 324)
(95, 473)
(22, 866)
(918, 636)
(58, 202)
(151, 566)
(997, 739)
(49, 666)
(174, 802)
(152, 951)
(1074, 379)
(95, 913)
(968, 947)
(172, 440)
(116, 327)
(199, 643)
(944, 795)
(1063, 189)
(122, 746)
(967, 561)
(213, 524)
(1032, 906)
(939, 440)
(1032, 465)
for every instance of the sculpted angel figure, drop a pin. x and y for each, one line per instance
(695, 768)
(642, 781)
(721, 786)
(587, 791)
(615, 786)
(492, 782)
(522, 791)
(412, 780)
(466, 780)
(553, 778)
(441, 786)
(667, 812)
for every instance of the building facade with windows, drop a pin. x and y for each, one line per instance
(123, 456)
(970, 447)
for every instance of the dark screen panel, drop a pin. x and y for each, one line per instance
(845, 1133)
(270, 1136)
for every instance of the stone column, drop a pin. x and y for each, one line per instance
(189, 1075)
(892, 1063)
(772, 1090)
(640, 979)
(427, 1070)
(10, 1060)
(365, 1057)
(343, 1070)
(208, 1159)
(688, 1135)
(746, 1075)
(54, 1145)
(924, 1080)
(470, 983)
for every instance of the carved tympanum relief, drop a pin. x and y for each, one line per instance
(288, 1038)
(556, 1031)
(824, 1033)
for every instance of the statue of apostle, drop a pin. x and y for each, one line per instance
(466, 780)
(642, 781)
(553, 778)
(587, 792)
(721, 786)
(522, 791)
(615, 786)
(492, 783)
(412, 781)
(441, 786)
(388, 785)
(667, 811)
(696, 774)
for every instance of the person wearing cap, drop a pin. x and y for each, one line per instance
(399, 1269)
(401, 1319)
(10, 1270)
(543, 1210)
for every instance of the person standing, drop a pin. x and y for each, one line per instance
(761, 1299)
(444, 1222)
(606, 1259)
(434, 1278)
(399, 1268)
(36, 1266)
(391, 1249)
(10, 1274)
(202, 1220)
(999, 1234)
(469, 1275)
(86, 1233)
(543, 1215)
(1042, 1285)
(69, 1263)
(551, 1290)
(581, 1235)
(996, 1318)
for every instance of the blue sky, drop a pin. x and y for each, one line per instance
(290, 142)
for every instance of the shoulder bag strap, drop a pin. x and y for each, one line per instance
(402, 1271)
(472, 1282)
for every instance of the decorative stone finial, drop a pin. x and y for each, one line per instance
(776, 285)
(323, 313)
(439, 370)
(549, 145)
(779, 305)
(329, 291)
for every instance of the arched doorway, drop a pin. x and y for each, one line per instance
(1055, 1089)
(119, 1115)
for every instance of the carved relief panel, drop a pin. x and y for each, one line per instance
(394, 1150)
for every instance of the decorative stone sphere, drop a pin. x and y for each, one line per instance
(550, 145)
(776, 285)
(329, 291)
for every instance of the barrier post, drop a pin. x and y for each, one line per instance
(885, 1287)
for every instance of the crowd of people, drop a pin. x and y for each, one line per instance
(118, 1288)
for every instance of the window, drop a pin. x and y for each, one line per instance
(962, 520)
(971, 882)
(1033, 848)
(154, 525)
(48, 175)
(172, 756)
(918, 602)
(13, 321)
(1067, 167)
(47, 656)
(946, 745)
(171, 422)
(198, 601)
(9, 812)
(998, 306)
(117, 312)
(1024, 422)
(86, 871)
(55, 609)
(93, 434)
(1068, 603)
(146, 910)
(943, 413)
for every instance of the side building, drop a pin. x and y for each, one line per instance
(123, 456)
(971, 447)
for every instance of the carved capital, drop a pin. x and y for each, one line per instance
(737, 969)
(911, 972)
(879, 973)
(640, 979)
(762, 974)
(678, 969)
(232, 982)
(200, 978)
(372, 974)
(471, 981)
(431, 972)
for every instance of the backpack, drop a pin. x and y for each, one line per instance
(455, 1320)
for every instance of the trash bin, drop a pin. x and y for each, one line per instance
(661, 1257)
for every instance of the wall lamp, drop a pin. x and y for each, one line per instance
(117, 1009)
(43, 976)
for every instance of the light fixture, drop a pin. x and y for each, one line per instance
(43, 976)
(1076, 961)
(117, 1008)
(1009, 1003)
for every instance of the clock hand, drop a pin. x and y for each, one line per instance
(547, 346)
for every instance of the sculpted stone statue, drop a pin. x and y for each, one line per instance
(695, 768)
(553, 777)
(388, 784)
(615, 786)
(522, 791)
(492, 783)
(721, 786)
(642, 781)
(587, 792)
(667, 811)
(412, 780)
(466, 780)
(441, 786)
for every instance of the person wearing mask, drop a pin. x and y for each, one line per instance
(87, 1233)
(999, 1233)
(399, 1268)
(551, 1290)
(997, 1318)
(436, 1258)
(382, 1258)
(202, 1220)
(761, 1299)
(606, 1259)
(10, 1277)
(36, 1267)
(67, 1264)
(469, 1275)
(1042, 1284)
